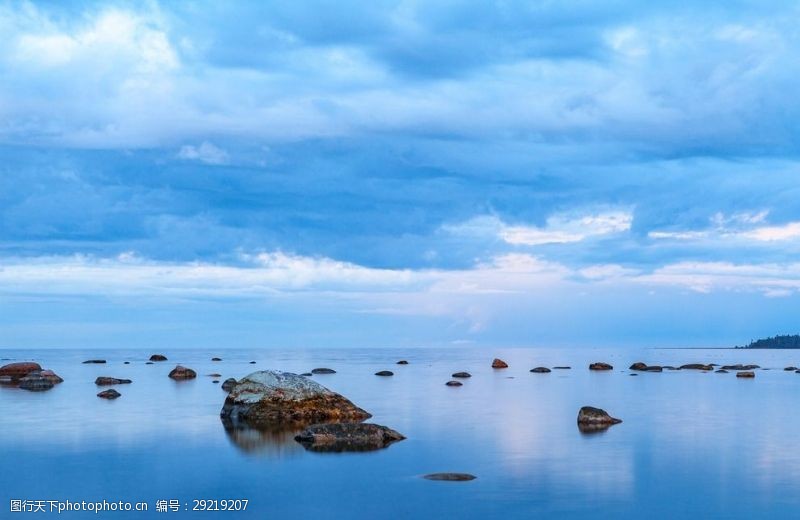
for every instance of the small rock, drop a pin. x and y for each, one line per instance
(181, 373)
(228, 384)
(35, 382)
(323, 371)
(215, 381)
(338, 437)
(790, 368)
(52, 376)
(600, 366)
(697, 366)
(562, 368)
(454, 383)
(216, 359)
(462, 374)
(638, 366)
(540, 370)
(595, 416)
(668, 367)
(384, 373)
(158, 357)
(402, 362)
(740, 367)
(653, 368)
(306, 374)
(126, 363)
(94, 362)
(109, 394)
(499, 363)
(450, 477)
(105, 381)
(721, 371)
(252, 362)
(214, 375)
(148, 363)
(747, 374)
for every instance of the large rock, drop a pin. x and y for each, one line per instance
(338, 437)
(17, 371)
(600, 366)
(36, 382)
(105, 381)
(499, 363)
(591, 419)
(270, 398)
(181, 373)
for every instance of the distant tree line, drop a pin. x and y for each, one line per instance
(787, 341)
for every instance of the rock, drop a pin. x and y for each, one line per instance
(216, 381)
(306, 374)
(94, 362)
(790, 368)
(36, 382)
(668, 367)
(105, 381)
(721, 371)
(450, 477)
(252, 362)
(17, 371)
(562, 368)
(740, 367)
(697, 366)
(216, 359)
(633, 374)
(269, 398)
(214, 375)
(653, 368)
(747, 374)
(590, 415)
(462, 374)
(402, 362)
(126, 363)
(148, 363)
(499, 363)
(323, 371)
(51, 376)
(228, 384)
(540, 370)
(181, 373)
(454, 383)
(384, 373)
(158, 357)
(638, 366)
(7, 380)
(338, 437)
(109, 394)
(600, 366)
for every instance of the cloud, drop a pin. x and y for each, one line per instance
(205, 152)
(562, 229)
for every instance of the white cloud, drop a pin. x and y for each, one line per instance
(738, 226)
(561, 229)
(206, 152)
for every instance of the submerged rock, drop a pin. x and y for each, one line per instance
(252, 362)
(323, 371)
(697, 366)
(214, 375)
(450, 477)
(181, 373)
(454, 383)
(540, 370)
(462, 374)
(788, 369)
(740, 367)
(337, 437)
(16, 371)
(126, 362)
(228, 384)
(94, 362)
(747, 374)
(216, 359)
(51, 376)
(384, 373)
(592, 419)
(306, 374)
(721, 371)
(269, 398)
(105, 381)
(148, 363)
(215, 381)
(109, 394)
(499, 363)
(402, 362)
(562, 368)
(600, 366)
(36, 382)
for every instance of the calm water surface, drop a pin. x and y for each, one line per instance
(692, 444)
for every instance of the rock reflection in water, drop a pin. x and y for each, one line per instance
(264, 442)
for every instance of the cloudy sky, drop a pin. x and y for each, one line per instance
(398, 173)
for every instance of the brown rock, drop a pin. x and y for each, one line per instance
(106, 381)
(51, 376)
(699, 366)
(747, 374)
(600, 366)
(35, 382)
(462, 374)
(109, 394)
(338, 437)
(181, 373)
(158, 357)
(17, 371)
(499, 363)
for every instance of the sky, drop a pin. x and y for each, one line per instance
(398, 173)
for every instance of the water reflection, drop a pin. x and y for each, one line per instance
(277, 442)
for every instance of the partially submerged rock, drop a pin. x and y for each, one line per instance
(337, 437)
(105, 381)
(181, 373)
(740, 367)
(450, 477)
(16, 371)
(698, 366)
(36, 382)
(454, 383)
(600, 366)
(228, 384)
(595, 419)
(499, 363)
(638, 366)
(269, 398)
(721, 371)
(384, 373)
(402, 362)
(789, 369)
(216, 359)
(94, 362)
(323, 371)
(462, 374)
(562, 368)
(158, 357)
(746, 373)
(109, 394)
(214, 375)
(540, 370)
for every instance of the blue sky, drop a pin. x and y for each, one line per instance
(437, 173)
